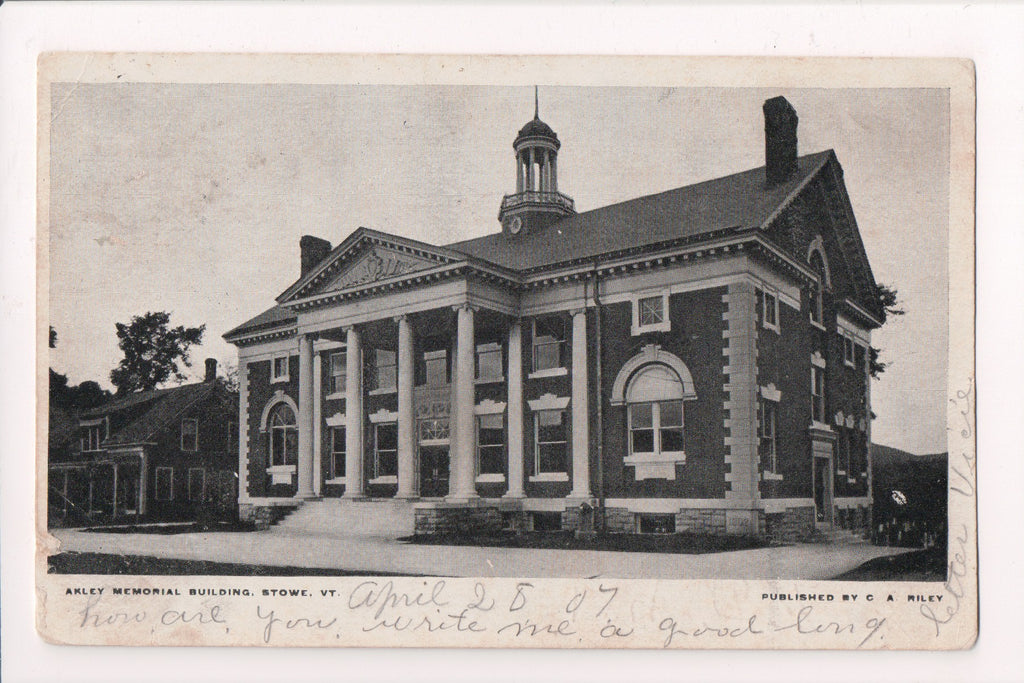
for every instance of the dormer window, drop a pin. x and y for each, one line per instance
(93, 433)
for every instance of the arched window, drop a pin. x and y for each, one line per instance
(284, 438)
(817, 263)
(655, 411)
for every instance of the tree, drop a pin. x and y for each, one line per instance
(229, 376)
(74, 398)
(888, 299)
(152, 350)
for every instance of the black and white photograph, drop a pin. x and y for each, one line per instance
(375, 344)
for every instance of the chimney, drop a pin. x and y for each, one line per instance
(211, 369)
(780, 121)
(314, 250)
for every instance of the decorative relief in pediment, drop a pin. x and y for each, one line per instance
(377, 264)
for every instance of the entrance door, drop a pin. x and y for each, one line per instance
(823, 492)
(433, 471)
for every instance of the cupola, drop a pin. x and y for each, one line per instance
(537, 202)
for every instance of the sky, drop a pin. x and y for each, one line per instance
(191, 198)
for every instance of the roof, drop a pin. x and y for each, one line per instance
(275, 316)
(160, 407)
(736, 201)
(536, 128)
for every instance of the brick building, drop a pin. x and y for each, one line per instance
(690, 360)
(160, 455)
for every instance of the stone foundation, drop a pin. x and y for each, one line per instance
(619, 521)
(795, 524)
(457, 519)
(697, 521)
(263, 516)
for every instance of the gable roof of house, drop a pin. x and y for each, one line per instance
(736, 201)
(160, 407)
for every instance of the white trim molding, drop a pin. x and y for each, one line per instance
(550, 372)
(337, 420)
(651, 353)
(281, 474)
(817, 360)
(550, 476)
(489, 407)
(770, 393)
(549, 402)
(278, 397)
(383, 416)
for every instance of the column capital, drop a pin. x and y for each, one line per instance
(472, 308)
(350, 328)
(400, 318)
(578, 311)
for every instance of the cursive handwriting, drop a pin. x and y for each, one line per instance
(954, 585)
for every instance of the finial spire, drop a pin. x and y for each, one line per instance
(536, 103)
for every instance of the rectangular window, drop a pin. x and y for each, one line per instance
(650, 314)
(814, 303)
(656, 427)
(766, 432)
(337, 463)
(385, 369)
(435, 364)
(279, 370)
(548, 343)
(488, 362)
(232, 445)
(550, 441)
(771, 311)
(190, 435)
(490, 439)
(164, 483)
(845, 463)
(817, 394)
(848, 350)
(196, 483)
(385, 453)
(91, 438)
(338, 369)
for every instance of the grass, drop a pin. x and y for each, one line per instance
(921, 565)
(98, 563)
(681, 543)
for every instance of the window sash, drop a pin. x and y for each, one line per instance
(337, 464)
(551, 441)
(284, 445)
(548, 343)
(280, 367)
(190, 434)
(385, 450)
(771, 310)
(650, 311)
(339, 372)
(490, 444)
(193, 494)
(386, 369)
(766, 432)
(164, 483)
(435, 368)
(488, 361)
(817, 394)
(91, 439)
(654, 428)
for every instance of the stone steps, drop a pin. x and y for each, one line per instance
(338, 517)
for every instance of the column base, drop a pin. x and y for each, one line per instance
(354, 496)
(407, 496)
(307, 496)
(464, 500)
(579, 498)
(514, 496)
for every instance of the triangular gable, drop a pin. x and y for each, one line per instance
(377, 262)
(844, 248)
(367, 256)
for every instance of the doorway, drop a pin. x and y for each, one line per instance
(434, 471)
(822, 492)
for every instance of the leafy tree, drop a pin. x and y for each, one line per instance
(229, 376)
(74, 398)
(888, 298)
(152, 350)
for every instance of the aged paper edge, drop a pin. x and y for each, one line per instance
(956, 75)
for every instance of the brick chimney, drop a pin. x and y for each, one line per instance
(314, 250)
(780, 122)
(211, 369)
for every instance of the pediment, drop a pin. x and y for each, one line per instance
(377, 263)
(367, 256)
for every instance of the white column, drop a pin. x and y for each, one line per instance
(305, 417)
(580, 408)
(530, 171)
(353, 415)
(406, 426)
(463, 466)
(515, 411)
(318, 441)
